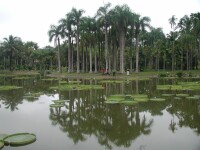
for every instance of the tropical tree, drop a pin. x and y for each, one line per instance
(140, 24)
(103, 16)
(66, 25)
(77, 19)
(121, 16)
(56, 33)
(11, 44)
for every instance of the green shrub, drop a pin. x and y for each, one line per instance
(179, 74)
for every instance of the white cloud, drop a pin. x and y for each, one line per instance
(30, 19)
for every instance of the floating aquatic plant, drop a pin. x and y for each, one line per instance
(127, 99)
(111, 81)
(192, 98)
(67, 87)
(20, 139)
(182, 95)
(157, 99)
(1, 144)
(168, 95)
(9, 87)
(57, 105)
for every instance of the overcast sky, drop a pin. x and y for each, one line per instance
(31, 19)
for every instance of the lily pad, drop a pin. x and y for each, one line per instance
(116, 98)
(56, 105)
(182, 95)
(157, 99)
(7, 88)
(2, 136)
(59, 101)
(1, 144)
(129, 102)
(20, 139)
(192, 98)
(112, 102)
(168, 95)
(141, 99)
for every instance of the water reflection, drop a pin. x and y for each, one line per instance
(116, 124)
(85, 114)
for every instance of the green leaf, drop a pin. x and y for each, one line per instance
(1, 144)
(157, 99)
(20, 139)
(2, 136)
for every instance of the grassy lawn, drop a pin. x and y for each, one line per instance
(99, 75)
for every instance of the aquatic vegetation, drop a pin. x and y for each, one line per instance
(56, 105)
(9, 87)
(182, 95)
(22, 78)
(1, 144)
(2, 136)
(127, 99)
(192, 98)
(139, 79)
(157, 99)
(111, 81)
(19, 139)
(67, 87)
(180, 86)
(129, 102)
(168, 95)
(59, 101)
(74, 82)
(50, 79)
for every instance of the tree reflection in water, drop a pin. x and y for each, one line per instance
(111, 124)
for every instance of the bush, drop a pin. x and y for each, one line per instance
(161, 75)
(179, 74)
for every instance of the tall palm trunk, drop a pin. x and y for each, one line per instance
(77, 59)
(83, 59)
(69, 53)
(114, 57)
(95, 60)
(90, 58)
(106, 47)
(11, 58)
(131, 54)
(59, 64)
(137, 52)
(122, 46)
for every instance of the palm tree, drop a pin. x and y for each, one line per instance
(131, 23)
(140, 24)
(77, 19)
(103, 16)
(121, 17)
(56, 34)
(172, 22)
(66, 24)
(11, 44)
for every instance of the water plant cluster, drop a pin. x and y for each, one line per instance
(17, 139)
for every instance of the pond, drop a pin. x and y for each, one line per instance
(86, 121)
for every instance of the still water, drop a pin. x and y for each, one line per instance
(87, 123)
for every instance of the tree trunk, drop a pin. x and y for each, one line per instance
(137, 53)
(86, 59)
(106, 47)
(59, 64)
(83, 59)
(77, 59)
(95, 60)
(69, 53)
(114, 57)
(90, 58)
(122, 46)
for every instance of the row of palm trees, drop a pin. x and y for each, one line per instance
(113, 24)
(115, 38)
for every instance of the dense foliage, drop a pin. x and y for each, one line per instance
(115, 38)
